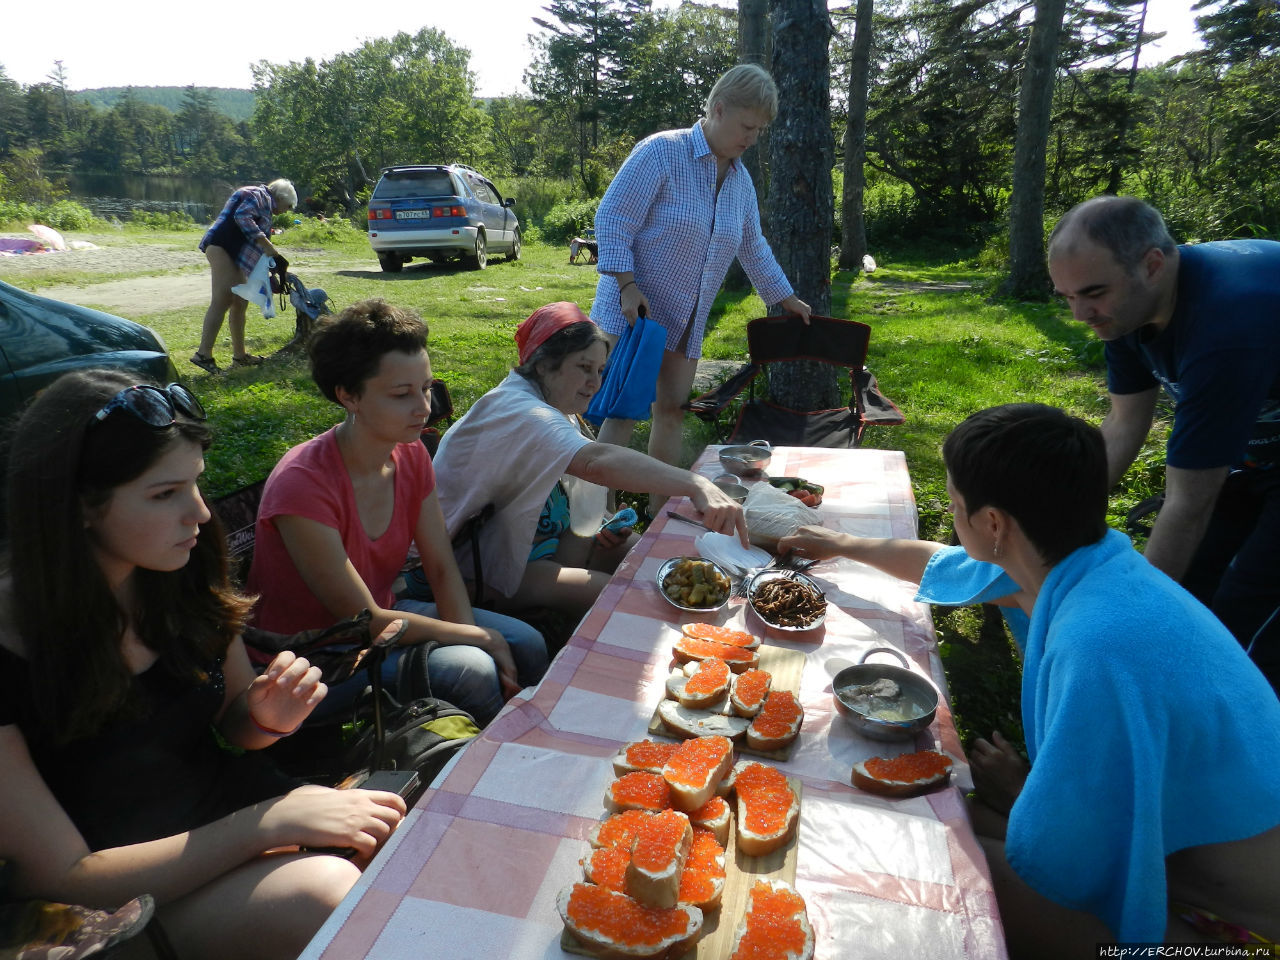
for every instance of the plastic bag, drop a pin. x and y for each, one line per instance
(772, 515)
(257, 289)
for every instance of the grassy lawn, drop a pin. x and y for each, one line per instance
(940, 348)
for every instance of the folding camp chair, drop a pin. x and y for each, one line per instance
(238, 513)
(441, 413)
(839, 343)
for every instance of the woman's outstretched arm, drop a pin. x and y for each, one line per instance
(53, 861)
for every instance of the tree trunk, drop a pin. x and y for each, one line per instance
(853, 232)
(1028, 276)
(755, 44)
(801, 208)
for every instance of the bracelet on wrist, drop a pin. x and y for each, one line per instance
(267, 730)
(629, 283)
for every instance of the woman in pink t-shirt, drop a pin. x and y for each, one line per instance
(339, 513)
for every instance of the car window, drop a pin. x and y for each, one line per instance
(483, 191)
(398, 185)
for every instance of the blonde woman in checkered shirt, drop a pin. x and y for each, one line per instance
(679, 210)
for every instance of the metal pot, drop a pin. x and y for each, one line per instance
(730, 486)
(746, 459)
(913, 685)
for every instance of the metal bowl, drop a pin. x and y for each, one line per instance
(729, 485)
(748, 459)
(666, 569)
(763, 577)
(913, 685)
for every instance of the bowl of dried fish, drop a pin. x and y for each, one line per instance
(786, 600)
(691, 583)
(883, 701)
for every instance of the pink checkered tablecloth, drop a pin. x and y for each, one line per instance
(474, 870)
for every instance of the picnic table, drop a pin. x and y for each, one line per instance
(475, 868)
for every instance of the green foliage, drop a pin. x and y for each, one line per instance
(61, 214)
(569, 219)
(236, 105)
(333, 125)
(15, 215)
(161, 220)
(536, 196)
(323, 230)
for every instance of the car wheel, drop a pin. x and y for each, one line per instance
(391, 263)
(515, 246)
(480, 259)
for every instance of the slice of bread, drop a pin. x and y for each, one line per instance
(739, 658)
(607, 866)
(658, 857)
(638, 791)
(702, 883)
(710, 631)
(902, 776)
(618, 830)
(749, 690)
(706, 685)
(777, 723)
(684, 722)
(775, 925)
(768, 808)
(650, 755)
(614, 926)
(696, 769)
(715, 815)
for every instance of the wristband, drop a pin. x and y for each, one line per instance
(267, 730)
(629, 283)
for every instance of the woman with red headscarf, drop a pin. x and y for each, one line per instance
(519, 447)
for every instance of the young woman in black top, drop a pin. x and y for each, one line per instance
(129, 712)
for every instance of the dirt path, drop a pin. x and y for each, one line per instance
(183, 287)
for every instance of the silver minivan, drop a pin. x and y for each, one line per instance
(439, 212)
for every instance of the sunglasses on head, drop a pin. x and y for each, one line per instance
(155, 406)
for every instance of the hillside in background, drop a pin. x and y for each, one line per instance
(236, 104)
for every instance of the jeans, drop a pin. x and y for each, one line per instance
(1236, 569)
(464, 675)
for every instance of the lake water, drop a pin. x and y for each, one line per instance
(118, 195)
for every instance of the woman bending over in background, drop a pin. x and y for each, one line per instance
(232, 245)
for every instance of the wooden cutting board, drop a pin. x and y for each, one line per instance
(785, 666)
(741, 872)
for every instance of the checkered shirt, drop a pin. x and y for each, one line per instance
(662, 219)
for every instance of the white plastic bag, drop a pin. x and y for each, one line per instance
(257, 289)
(772, 515)
(586, 505)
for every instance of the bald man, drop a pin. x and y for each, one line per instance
(1203, 321)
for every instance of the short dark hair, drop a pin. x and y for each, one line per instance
(550, 356)
(1045, 468)
(1125, 226)
(64, 465)
(345, 350)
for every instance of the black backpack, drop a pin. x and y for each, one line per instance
(384, 731)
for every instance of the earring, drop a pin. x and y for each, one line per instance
(995, 549)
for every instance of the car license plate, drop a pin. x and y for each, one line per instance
(413, 214)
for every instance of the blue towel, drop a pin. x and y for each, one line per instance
(954, 579)
(1149, 731)
(631, 375)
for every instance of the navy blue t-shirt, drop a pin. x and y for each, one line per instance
(1219, 357)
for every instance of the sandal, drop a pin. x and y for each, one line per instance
(207, 364)
(248, 360)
